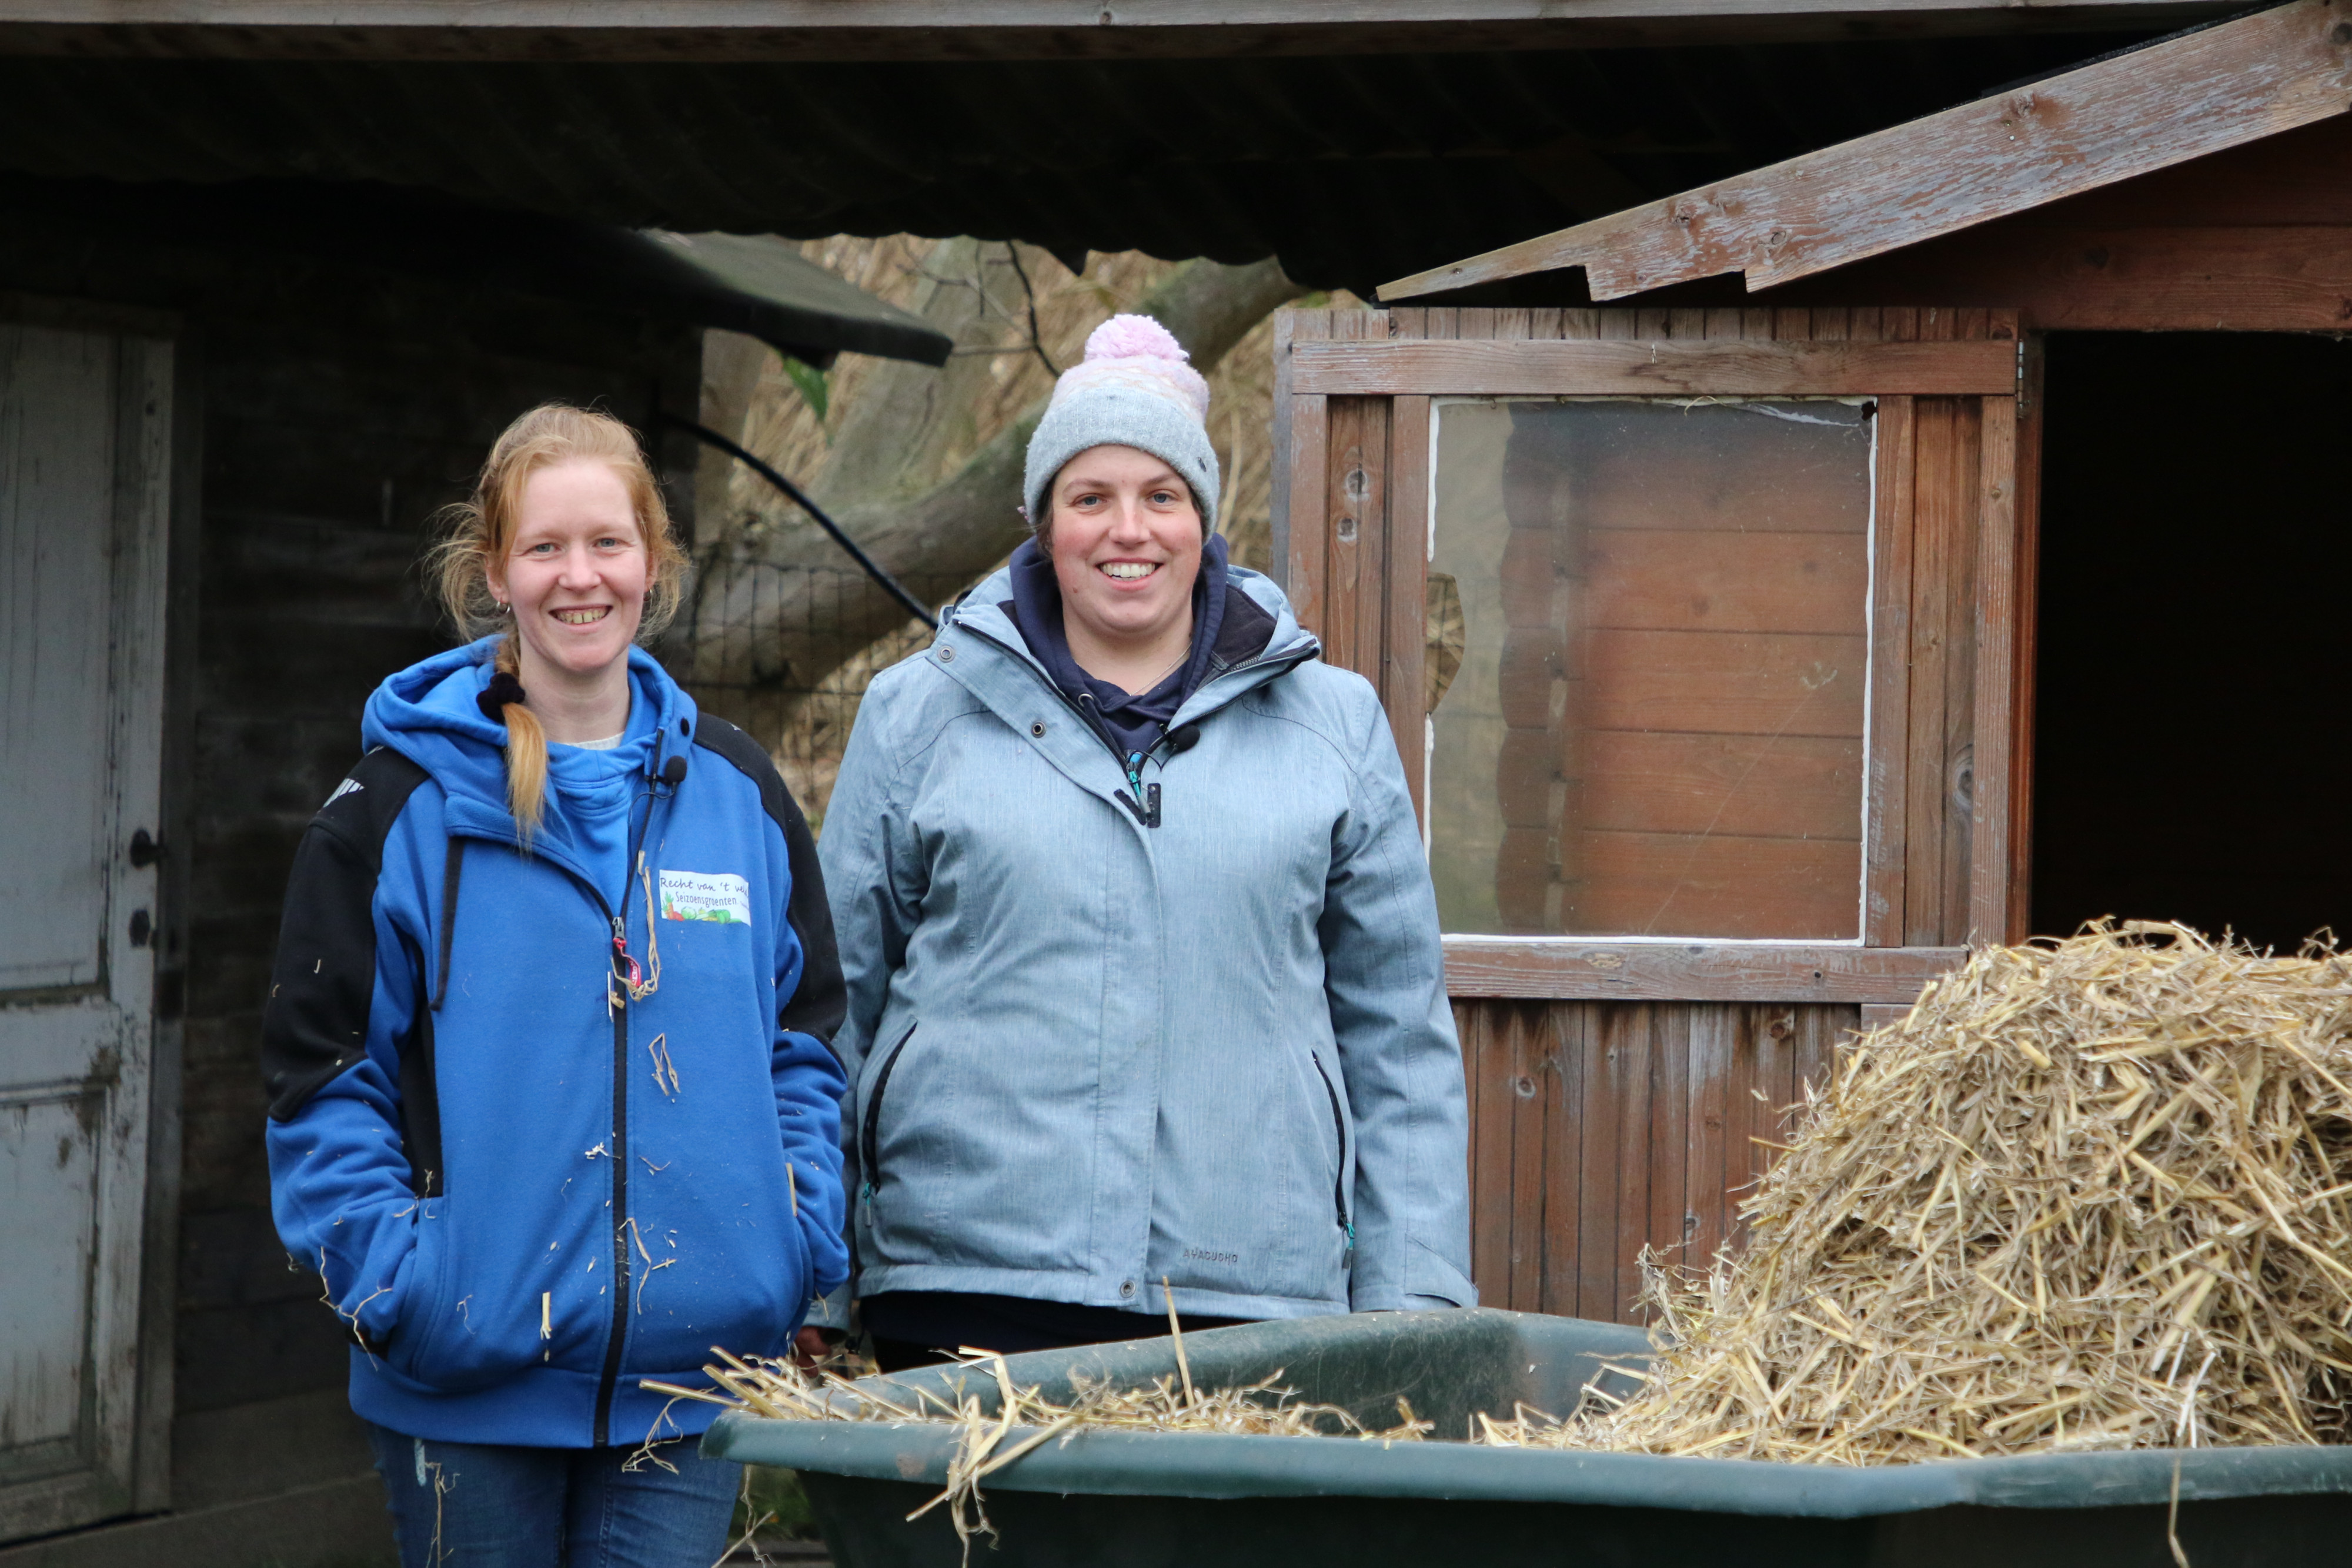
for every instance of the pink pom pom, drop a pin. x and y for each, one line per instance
(1134, 338)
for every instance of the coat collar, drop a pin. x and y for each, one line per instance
(980, 649)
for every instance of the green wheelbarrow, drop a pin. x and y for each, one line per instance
(1197, 1499)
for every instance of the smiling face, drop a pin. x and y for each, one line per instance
(575, 573)
(1125, 544)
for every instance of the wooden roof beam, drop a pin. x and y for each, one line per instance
(2167, 104)
(998, 30)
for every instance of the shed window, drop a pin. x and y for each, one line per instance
(1650, 651)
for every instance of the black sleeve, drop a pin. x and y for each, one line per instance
(314, 1023)
(821, 1001)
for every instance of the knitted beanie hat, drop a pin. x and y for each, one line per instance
(1134, 389)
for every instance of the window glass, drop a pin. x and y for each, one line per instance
(1651, 620)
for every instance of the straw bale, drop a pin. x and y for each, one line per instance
(2088, 1195)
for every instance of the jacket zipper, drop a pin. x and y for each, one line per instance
(617, 1337)
(617, 959)
(1144, 805)
(869, 1140)
(1339, 1179)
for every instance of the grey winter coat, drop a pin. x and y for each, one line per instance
(1087, 1050)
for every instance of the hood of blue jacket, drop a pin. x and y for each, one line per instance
(431, 713)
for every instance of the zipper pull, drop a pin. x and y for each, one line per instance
(623, 965)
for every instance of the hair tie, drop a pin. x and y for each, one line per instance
(503, 689)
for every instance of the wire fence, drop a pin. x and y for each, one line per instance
(791, 662)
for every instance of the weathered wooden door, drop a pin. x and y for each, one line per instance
(84, 423)
(1697, 630)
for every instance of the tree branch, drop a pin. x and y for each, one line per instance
(792, 614)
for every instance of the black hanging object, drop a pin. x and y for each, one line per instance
(1183, 740)
(503, 689)
(674, 773)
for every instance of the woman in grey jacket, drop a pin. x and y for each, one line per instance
(1141, 953)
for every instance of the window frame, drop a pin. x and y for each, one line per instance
(1950, 594)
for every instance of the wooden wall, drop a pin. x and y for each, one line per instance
(332, 413)
(1601, 1126)
(2254, 239)
(326, 457)
(1597, 1128)
(327, 450)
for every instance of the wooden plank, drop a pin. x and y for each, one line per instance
(1778, 1044)
(1999, 605)
(733, 31)
(2161, 278)
(1486, 1047)
(1563, 1163)
(1567, 967)
(2088, 128)
(1531, 1074)
(1805, 786)
(1670, 1034)
(1935, 525)
(1878, 1015)
(1711, 1043)
(1404, 683)
(1729, 683)
(1341, 580)
(1286, 323)
(1820, 1030)
(1743, 1117)
(1890, 675)
(1706, 885)
(1355, 533)
(1750, 476)
(1712, 683)
(1727, 581)
(1630, 366)
(1959, 615)
(1310, 449)
(1600, 1168)
(2029, 426)
(1632, 1042)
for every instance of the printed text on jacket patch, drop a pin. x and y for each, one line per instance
(719, 896)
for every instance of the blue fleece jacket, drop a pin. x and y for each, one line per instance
(530, 1182)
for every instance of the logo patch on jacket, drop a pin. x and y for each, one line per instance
(719, 896)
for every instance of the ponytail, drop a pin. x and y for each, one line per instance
(478, 532)
(526, 751)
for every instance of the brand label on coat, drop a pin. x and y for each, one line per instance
(714, 896)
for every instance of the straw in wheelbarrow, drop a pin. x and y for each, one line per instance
(778, 1390)
(2093, 1195)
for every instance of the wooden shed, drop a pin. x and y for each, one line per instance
(224, 419)
(1968, 569)
(260, 367)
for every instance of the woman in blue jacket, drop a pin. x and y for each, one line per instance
(552, 1104)
(1141, 952)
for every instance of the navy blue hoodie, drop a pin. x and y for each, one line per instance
(527, 1182)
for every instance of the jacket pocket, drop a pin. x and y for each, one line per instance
(869, 1132)
(410, 1350)
(1340, 1171)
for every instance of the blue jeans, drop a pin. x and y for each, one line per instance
(471, 1505)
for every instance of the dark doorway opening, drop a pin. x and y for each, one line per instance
(2192, 745)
